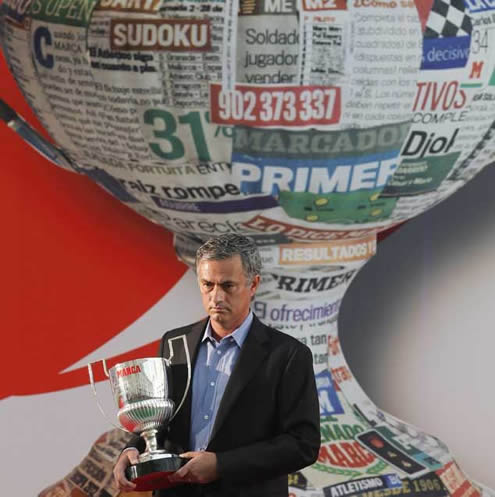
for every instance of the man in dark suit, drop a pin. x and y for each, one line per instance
(252, 414)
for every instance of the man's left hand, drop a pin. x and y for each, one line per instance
(201, 468)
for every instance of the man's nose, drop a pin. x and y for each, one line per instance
(217, 294)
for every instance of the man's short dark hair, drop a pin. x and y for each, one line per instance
(227, 246)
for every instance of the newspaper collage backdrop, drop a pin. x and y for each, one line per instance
(310, 125)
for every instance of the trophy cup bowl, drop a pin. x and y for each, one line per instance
(141, 389)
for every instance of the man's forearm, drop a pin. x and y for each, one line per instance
(267, 459)
(136, 442)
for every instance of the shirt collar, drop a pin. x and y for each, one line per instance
(239, 334)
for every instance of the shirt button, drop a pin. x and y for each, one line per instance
(206, 416)
(218, 352)
(212, 383)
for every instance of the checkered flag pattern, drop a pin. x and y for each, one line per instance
(448, 18)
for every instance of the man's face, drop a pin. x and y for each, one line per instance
(225, 291)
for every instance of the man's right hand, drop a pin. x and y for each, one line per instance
(127, 458)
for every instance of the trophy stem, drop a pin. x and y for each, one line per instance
(150, 439)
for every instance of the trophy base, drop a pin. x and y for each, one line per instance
(153, 474)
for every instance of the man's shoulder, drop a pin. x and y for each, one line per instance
(281, 339)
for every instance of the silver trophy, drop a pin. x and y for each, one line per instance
(141, 389)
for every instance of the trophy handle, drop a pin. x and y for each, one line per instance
(188, 359)
(105, 369)
(93, 387)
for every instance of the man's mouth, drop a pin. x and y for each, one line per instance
(218, 309)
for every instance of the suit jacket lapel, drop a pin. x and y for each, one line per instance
(182, 421)
(252, 354)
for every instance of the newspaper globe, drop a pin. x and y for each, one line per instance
(309, 125)
(264, 117)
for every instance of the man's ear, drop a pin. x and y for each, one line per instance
(255, 283)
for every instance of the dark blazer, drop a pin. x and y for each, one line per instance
(268, 422)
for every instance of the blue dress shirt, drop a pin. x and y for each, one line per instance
(214, 365)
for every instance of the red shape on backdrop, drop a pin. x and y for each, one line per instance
(77, 266)
(424, 8)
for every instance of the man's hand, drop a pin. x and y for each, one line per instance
(127, 458)
(201, 468)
